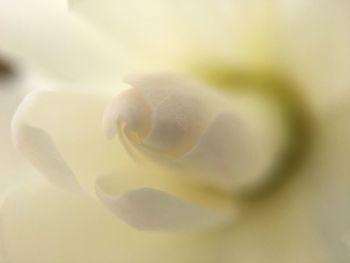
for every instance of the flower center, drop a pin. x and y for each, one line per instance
(242, 139)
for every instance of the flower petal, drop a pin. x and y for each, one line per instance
(315, 47)
(229, 154)
(38, 147)
(9, 159)
(331, 193)
(151, 209)
(171, 32)
(63, 225)
(73, 228)
(12, 89)
(61, 134)
(231, 140)
(45, 35)
(70, 228)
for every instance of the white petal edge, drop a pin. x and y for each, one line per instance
(154, 210)
(38, 147)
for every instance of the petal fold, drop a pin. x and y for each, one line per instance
(60, 133)
(232, 141)
(38, 146)
(151, 209)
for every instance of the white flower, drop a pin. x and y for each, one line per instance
(189, 152)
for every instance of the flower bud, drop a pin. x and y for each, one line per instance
(229, 141)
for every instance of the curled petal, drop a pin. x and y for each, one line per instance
(151, 209)
(69, 227)
(132, 109)
(37, 145)
(181, 109)
(231, 141)
(60, 133)
(225, 153)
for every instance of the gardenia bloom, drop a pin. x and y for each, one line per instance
(206, 133)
